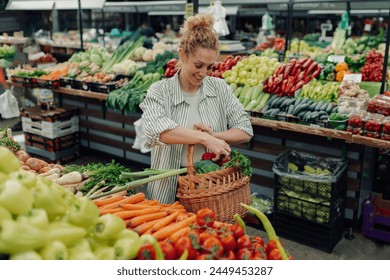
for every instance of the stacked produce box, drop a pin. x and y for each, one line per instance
(52, 134)
(309, 198)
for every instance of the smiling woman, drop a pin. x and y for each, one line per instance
(191, 108)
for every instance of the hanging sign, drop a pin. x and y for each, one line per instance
(336, 58)
(189, 10)
(357, 78)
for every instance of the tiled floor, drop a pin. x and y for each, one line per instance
(359, 248)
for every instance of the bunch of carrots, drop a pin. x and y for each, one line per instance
(55, 74)
(144, 216)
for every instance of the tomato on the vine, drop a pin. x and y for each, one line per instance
(205, 257)
(168, 250)
(146, 252)
(272, 245)
(244, 254)
(184, 243)
(258, 240)
(228, 243)
(213, 245)
(237, 230)
(274, 254)
(230, 255)
(244, 242)
(205, 217)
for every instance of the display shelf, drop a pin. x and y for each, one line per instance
(326, 132)
(372, 142)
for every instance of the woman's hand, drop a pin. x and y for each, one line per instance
(204, 128)
(219, 147)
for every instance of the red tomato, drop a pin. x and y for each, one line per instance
(168, 250)
(213, 245)
(229, 256)
(274, 255)
(184, 243)
(272, 245)
(244, 242)
(206, 217)
(205, 235)
(258, 240)
(146, 252)
(259, 251)
(237, 230)
(205, 257)
(244, 254)
(228, 243)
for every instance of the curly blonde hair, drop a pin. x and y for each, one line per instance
(198, 31)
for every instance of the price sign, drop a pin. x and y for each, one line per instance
(189, 10)
(357, 78)
(336, 58)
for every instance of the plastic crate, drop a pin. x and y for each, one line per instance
(50, 124)
(55, 157)
(327, 186)
(376, 218)
(51, 145)
(306, 207)
(308, 233)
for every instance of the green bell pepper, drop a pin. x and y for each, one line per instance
(17, 237)
(108, 227)
(127, 248)
(9, 162)
(15, 198)
(55, 250)
(66, 233)
(26, 255)
(105, 253)
(4, 214)
(35, 217)
(48, 199)
(83, 212)
(26, 178)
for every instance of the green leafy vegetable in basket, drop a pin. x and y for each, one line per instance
(206, 166)
(241, 161)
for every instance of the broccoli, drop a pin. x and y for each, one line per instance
(206, 166)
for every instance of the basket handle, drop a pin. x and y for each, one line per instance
(190, 157)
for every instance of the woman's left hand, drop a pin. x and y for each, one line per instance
(204, 128)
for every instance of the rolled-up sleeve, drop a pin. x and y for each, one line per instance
(236, 115)
(154, 116)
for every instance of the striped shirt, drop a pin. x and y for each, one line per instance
(165, 107)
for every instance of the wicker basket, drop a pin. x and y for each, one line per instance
(222, 190)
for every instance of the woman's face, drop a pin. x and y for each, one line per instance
(197, 65)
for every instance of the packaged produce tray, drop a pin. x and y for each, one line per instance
(51, 145)
(307, 207)
(48, 83)
(304, 172)
(58, 114)
(66, 82)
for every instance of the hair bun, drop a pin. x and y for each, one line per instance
(198, 21)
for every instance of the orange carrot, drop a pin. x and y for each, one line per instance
(149, 202)
(129, 199)
(173, 210)
(137, 206)
(173, 227)
(127, 214)
(109, 211)
(145, 218)
(142, 228)
(176, 235)
(108, 200)
(165, 221)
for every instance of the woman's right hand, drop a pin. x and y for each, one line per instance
(217, 146)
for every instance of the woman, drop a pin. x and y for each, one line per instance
(191, 99)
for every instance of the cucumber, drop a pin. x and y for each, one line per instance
(322, 113)
(306, 116)
(314, 115)
(329, 108)
(324, 107)
(275, 101)
(298, 100)
(319, 105)
(305, 100)
(284, 103)
(274, 113)
(301, 114)
(272, 98)
(290, 109)
(280, 101)
(300, 107)
(335, 109)
(313, 106)
(268, 112)
(265, 108)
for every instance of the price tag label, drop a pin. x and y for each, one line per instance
(336, 58)
(189, 10)
(357, 78)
